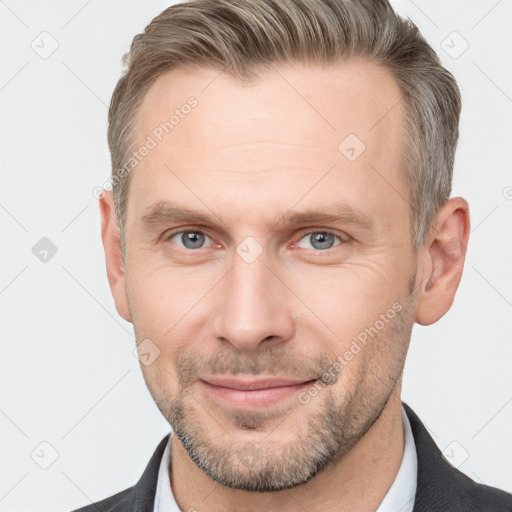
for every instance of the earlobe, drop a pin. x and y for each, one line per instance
(444, 251)
(113, 255)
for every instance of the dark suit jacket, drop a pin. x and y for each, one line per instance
(440, 487)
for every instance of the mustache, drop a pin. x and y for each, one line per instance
(273, 362)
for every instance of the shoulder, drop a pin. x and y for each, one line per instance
(140, 496)
(441, 486)
(471, 495)
(484, 497)
(458, 492)
(121, 501)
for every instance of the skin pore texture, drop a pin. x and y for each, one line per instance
(248, 292)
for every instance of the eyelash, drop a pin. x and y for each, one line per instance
(304, 234)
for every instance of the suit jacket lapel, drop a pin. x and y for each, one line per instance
(145, 488)
(439, 485)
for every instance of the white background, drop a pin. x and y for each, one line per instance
(68, 375)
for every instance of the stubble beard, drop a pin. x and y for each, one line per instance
(323, 439)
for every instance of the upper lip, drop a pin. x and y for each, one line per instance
(249, 384)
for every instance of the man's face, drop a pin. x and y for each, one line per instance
(258, 294)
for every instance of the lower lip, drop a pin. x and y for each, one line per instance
(254, 398)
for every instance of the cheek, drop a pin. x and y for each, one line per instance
(171, 307)
(161, 295)
(347, 299)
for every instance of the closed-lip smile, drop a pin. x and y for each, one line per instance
(250, 393)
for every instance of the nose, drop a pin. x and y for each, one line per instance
(252, 307)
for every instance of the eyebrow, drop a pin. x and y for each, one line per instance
(166, 213)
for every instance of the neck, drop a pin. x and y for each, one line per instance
(375, 459)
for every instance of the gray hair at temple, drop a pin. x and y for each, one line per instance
(244, 37)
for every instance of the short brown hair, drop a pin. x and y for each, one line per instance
(241, 36)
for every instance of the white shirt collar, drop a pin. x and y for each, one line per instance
(399, 498)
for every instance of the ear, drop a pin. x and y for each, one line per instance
(113, 256)
(444, 254)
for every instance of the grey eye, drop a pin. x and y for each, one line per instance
(190, 239)
(319, 240)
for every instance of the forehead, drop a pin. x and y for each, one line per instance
(297, 119)
(316, 104)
